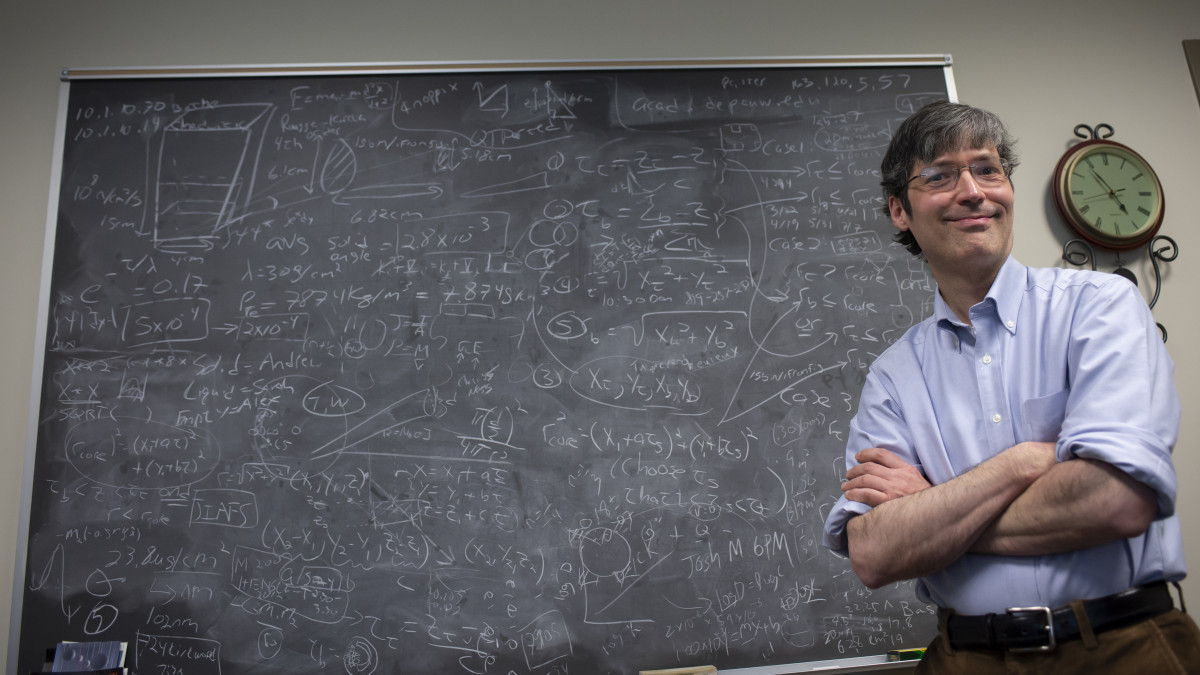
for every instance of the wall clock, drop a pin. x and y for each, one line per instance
(1108, 193)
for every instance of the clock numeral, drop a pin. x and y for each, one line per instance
(1139, 176)
(1085, 208)
(1142, 210)
(1145, 194)
(1104, 158)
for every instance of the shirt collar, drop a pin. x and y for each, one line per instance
(1007, 291)
(1005, 296)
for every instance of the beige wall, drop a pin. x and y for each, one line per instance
(1044, 65)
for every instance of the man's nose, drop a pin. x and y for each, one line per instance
(967, 187)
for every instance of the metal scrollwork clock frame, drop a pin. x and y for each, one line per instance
(1080, 252)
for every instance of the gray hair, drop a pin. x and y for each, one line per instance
(935, 129)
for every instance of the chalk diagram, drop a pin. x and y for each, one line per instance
(480, 374)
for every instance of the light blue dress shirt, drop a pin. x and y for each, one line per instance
(1066, 356)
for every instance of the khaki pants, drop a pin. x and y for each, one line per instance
(1166, 644)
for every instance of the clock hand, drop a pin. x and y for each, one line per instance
(1102, 195)
(1111, 193)
(1100, 180)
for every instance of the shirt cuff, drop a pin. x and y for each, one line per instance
(834, 536)
(1134, 454)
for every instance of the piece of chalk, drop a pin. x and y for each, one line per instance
(694, 670)
(906, 654)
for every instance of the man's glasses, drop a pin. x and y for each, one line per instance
(945, 176)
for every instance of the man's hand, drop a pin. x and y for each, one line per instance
(880, 477)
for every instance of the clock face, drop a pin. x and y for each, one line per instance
(1109, 194)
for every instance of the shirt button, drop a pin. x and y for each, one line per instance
(1010, 324)
(987, 358)
(996, 418)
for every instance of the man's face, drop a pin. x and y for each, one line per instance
(967, 228)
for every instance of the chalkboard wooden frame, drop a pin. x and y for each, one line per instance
(39, 393)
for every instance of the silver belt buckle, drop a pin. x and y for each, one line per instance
(1045, 611)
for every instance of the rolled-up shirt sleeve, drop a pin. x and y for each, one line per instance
(877, 424)
(1123, 407)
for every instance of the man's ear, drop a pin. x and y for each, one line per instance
(900, 217)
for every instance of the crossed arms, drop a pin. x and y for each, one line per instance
(1020, 502)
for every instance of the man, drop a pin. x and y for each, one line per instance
(1014, 449)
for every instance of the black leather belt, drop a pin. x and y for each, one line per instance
(1032, 629)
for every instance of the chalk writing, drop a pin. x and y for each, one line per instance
(536, 372)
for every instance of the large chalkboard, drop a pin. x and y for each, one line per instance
(488, 371)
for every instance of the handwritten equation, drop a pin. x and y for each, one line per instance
(466, 373)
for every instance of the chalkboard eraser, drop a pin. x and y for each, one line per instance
(694, 670)
(913, 654)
